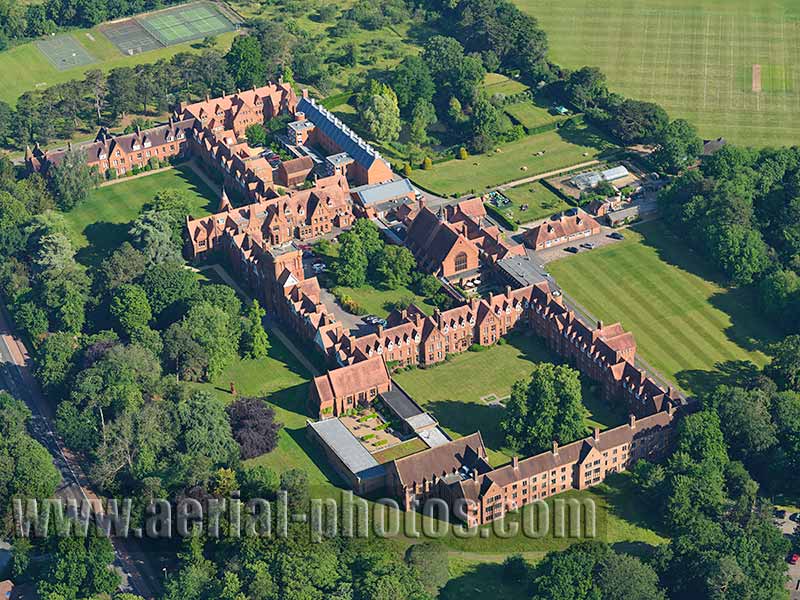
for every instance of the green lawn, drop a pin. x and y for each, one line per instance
(531, 115)
(24, 68)
(692, 330)
(564, 147)
(694, 57)
(378, 302)
(408, 448)
(541, 203)
(453, 391)
(101, 223)
(495, 83)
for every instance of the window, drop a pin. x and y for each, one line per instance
(461, 261)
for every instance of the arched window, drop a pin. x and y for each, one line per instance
(461, 261)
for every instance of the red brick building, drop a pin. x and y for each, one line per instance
(561, 229)
(347, 388)
(459, 473)
(122, 153)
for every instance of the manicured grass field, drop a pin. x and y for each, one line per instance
(100, 224)
(564, 147)
(495, 83)
(540, 200)
(24, 68)
(453, 391)
(531, 115)
(694, 57)
(692, 330)
(376, 301)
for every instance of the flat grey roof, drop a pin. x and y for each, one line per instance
(381, 192)
(434, 437)
(401, 403)
(522, 269)
(338, 160)
(345, 445)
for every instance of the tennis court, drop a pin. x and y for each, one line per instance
(186, 23)
(130, 37)
(65, 52)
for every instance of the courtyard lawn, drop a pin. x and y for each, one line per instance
(694, 57)
(456, 392)
(100, 224)
(408, 448)
(540, 200)
(692, 330)
(375, 301)
(24, 68)
(564, 147)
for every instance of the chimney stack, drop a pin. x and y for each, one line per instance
(515, 462)
(632, 421)
(599, 324)
(555, 448)
(421, 202)
(670, 408)
(380, 330)
(596, 434)
(508, 291)
(305, 93)
(474, 474)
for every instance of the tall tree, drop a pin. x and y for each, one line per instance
(246, 62)
(72, 180)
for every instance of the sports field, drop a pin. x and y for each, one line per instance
(561, 148)
(25, 67)
(64, 52)
(687, 327)
(700, 59)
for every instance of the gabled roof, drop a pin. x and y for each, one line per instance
(341, 135)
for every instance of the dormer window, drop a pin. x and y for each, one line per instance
(103, 155)
(147, 143)
(137, 146)
(170, 137)
(180, 135)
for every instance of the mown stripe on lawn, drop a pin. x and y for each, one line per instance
(640, 302)
(702, 324)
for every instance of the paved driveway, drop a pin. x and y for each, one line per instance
(787, 526)
(549, 255)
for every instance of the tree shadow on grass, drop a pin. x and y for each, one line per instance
(586, 135)
(198, 186)
(466, 418)
(484, 580)
(732, 372)
(749, 329)
(104, 238)
(624, 502)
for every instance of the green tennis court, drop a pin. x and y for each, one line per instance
(185, 23)
(65, 52)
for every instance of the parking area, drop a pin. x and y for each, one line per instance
(598, 241)
(788, 522)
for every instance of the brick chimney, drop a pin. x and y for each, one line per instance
(421, 202)
(417, 319)
(305, 93)
(508, 291)
(380, 330)
(632, 421)
(515, 462)
(599, 324)
(438, 315)
(555, 448)
(474, 474)
(596, 434)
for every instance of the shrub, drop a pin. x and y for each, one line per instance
(111, 174)
(462, 153)
(382, 426)
(502, 341)
(476, 348)
(367, 437)
(380, 443)
(407, 170)
(427, 163)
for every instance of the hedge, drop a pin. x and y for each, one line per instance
(499, 216)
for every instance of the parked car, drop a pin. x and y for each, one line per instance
(319, 267)
(588, 246)
(616, 236)
(780, 514)
(370, 319)
(794, 558)
(556, 293)
(572, 249)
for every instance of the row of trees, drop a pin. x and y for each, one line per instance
(630, 121)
